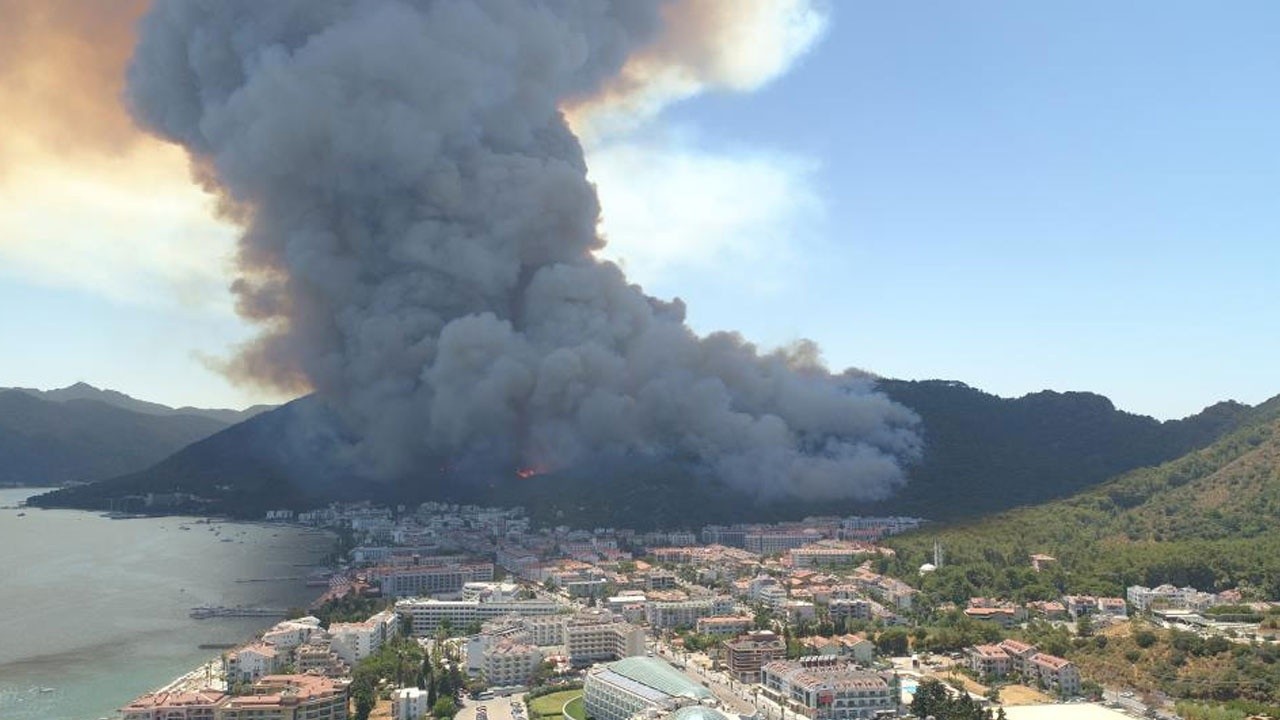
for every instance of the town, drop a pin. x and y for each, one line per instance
(461, 611)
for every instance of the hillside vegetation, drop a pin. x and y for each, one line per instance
(1210, 519)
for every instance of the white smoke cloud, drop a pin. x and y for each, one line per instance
(419, 238)
(668, 204)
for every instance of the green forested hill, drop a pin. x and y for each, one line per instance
(985, 453)
(1210, 519)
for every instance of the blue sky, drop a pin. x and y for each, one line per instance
(1026, 196)
(1021, 196)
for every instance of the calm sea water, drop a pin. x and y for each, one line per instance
(94, 611)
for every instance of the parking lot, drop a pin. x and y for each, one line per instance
(498, 708)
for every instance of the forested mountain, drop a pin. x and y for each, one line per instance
(45, 442)
(1210, 519)
(983, 454)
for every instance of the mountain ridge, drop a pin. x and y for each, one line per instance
(1014, 451)
(84, 391)
(44, 442)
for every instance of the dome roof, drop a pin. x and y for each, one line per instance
(928, 568)
(697, 712)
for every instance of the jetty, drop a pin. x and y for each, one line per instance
(205, 612)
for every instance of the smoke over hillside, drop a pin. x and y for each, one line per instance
(418, 237)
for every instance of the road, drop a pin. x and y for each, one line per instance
(732, 695)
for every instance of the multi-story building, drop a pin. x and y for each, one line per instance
(588, 641)
(845, 609)
(747, 654)
(1053, 673)
(508, 664)
(770, 542)
(1019, 654)
(427, 615)
(724, 625)
(317, 657)
(426, 580)
(409, 704)
(354, 642)
(292, 633)
(831, 690)
(174, 706)
(618, 690)
(274, 697)
(988, 660)
(288, 697)
(685, 613)
(249, 663)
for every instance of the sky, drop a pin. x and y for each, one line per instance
(1020, 196)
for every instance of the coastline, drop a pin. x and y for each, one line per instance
(147, 575)
(209, 675)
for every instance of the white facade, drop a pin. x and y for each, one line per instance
(506, 664)
(409, 704)
(588, 643)
(354, 642)
(427, 615)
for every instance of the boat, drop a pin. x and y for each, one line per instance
(22, 514)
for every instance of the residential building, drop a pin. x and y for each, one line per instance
(725, 625)
(747, 654)
(292, 633)
(426, 580)
(618, 690)
(685, 613)
(1019, 654)
(427, 615)
(848, 609)
(831, 690)
(354, 642)
(988, 660)
(588, 641)
(1053, 673)
(409, 704)
(508, 664)
(174, 706)
(250, 663)
(288, 697)
(770, 542)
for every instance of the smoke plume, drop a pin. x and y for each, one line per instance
(418, 239)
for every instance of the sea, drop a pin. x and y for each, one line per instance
(94, 611)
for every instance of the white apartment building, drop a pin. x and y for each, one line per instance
(773, 542)
(849, 609)
(354, 642)
(409, 704)
(252, 662)
(685, 613)
(587, 643)
(425, 580)
(506, 663)
(831, 690)
(292, 633)
(427, 615)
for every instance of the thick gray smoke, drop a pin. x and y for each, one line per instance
(418, 237)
